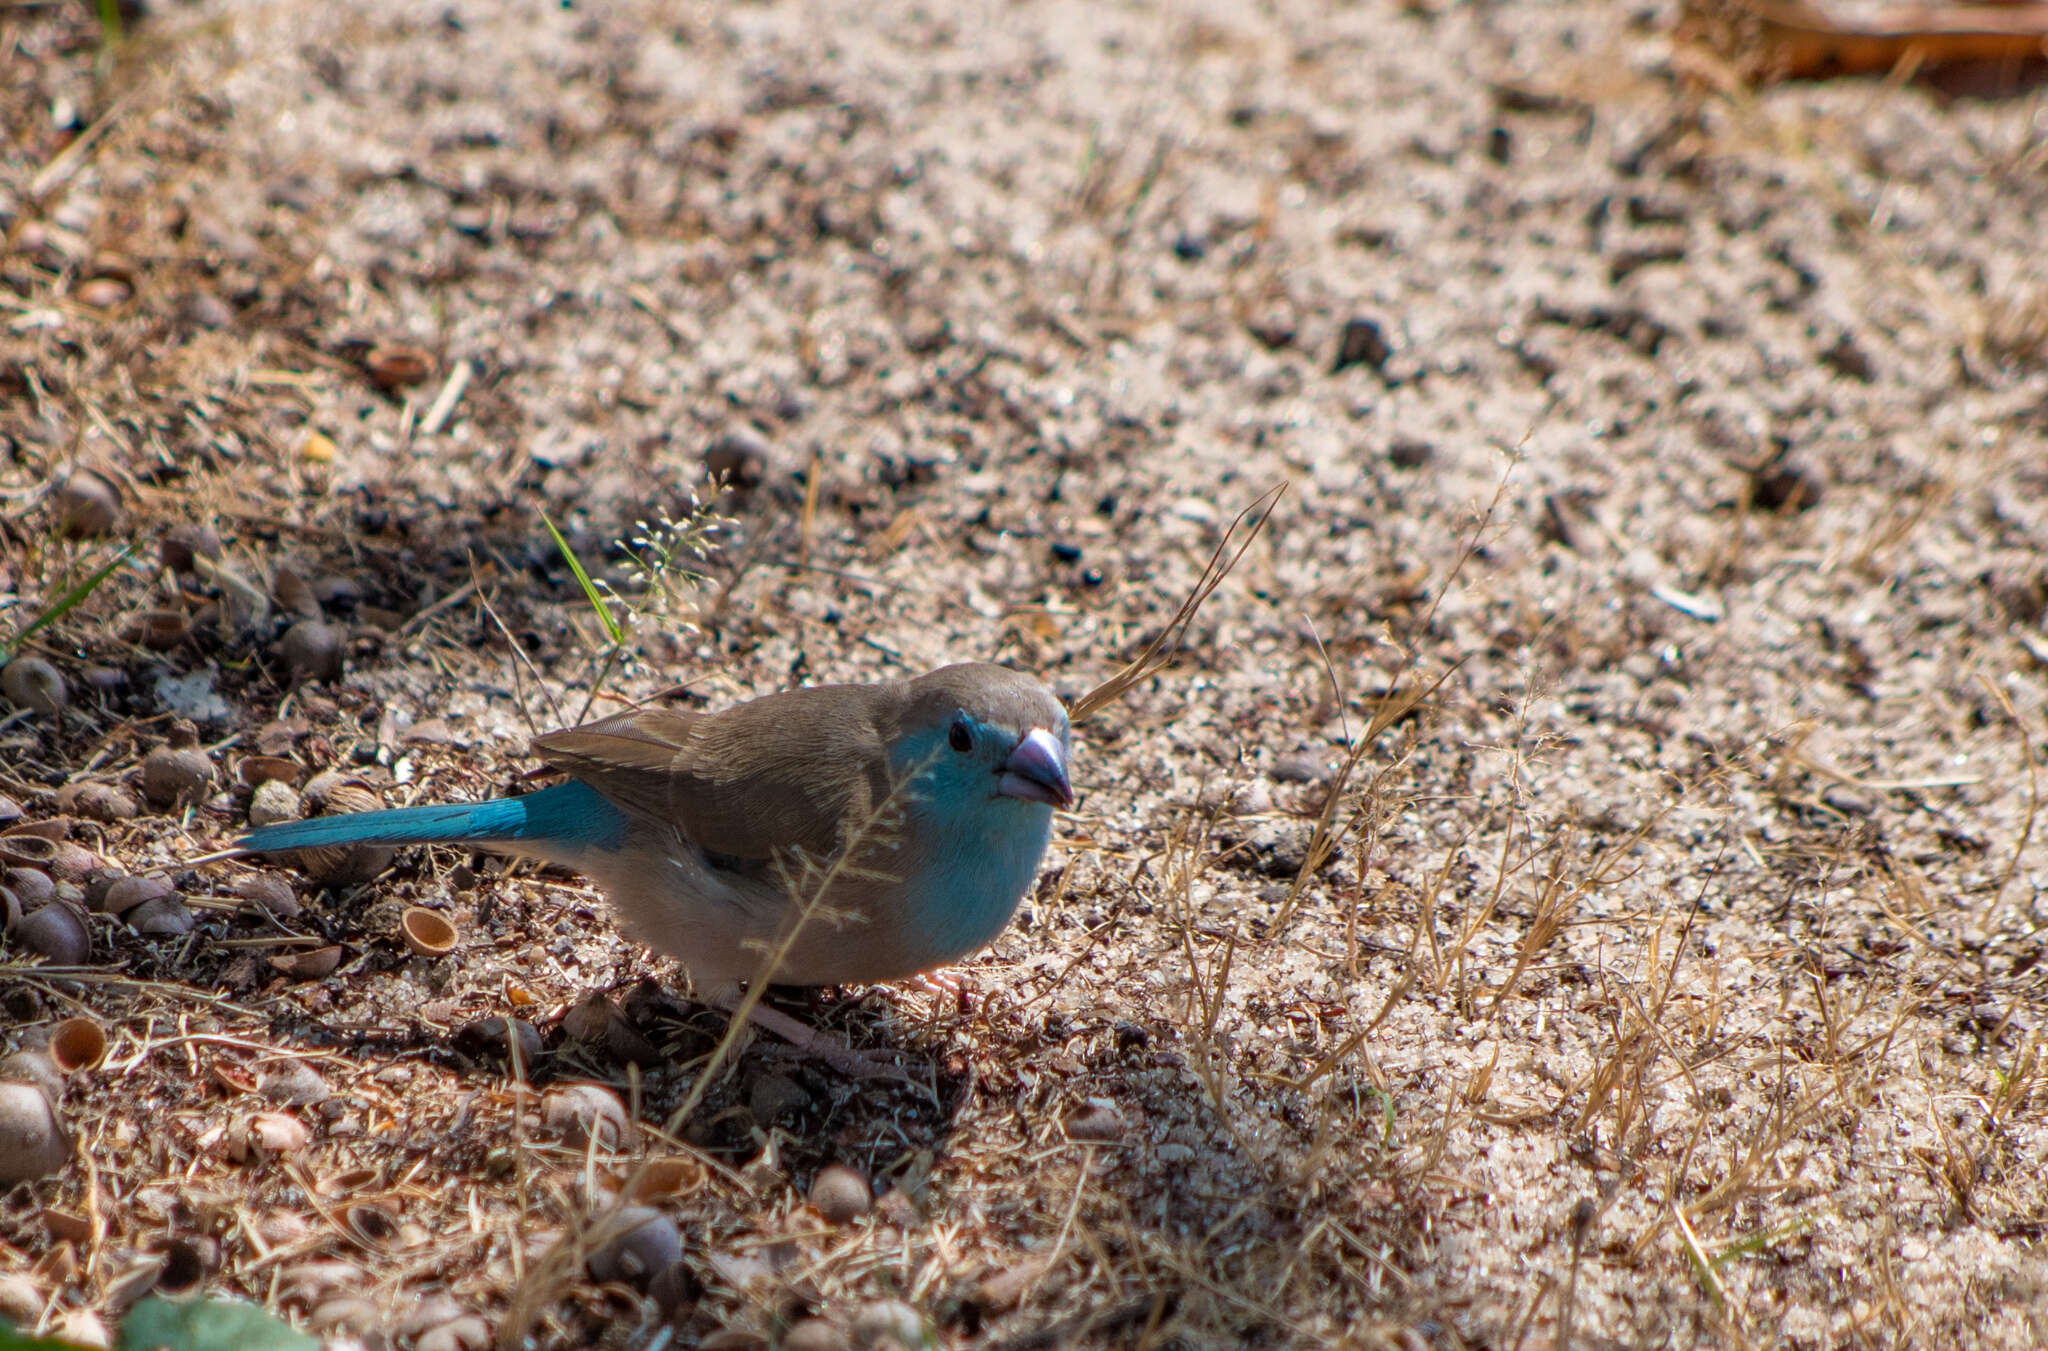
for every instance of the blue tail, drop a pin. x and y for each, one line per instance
(571, 814)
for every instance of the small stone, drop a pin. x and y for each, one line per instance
(774, 1096)
(1410, 454)
(274, 801)
(1301, 767)
(1786, 485)
(841, 1193)
(267, 1135)
(294, 1083)
(647, 1244)
(738, 458)
(1361, 344)
(204, 309)
(487, 1038)
(34, 684)
(1098, 1123)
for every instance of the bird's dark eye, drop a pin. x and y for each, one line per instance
(960, 736)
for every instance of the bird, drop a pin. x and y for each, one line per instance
(824, 835)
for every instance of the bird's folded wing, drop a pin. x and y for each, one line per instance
(750, 781)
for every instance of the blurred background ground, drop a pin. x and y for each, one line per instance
(1675, 977)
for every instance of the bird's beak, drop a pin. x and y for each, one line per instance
(1037, 771)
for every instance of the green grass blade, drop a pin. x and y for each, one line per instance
(67, 602)
(604, 614)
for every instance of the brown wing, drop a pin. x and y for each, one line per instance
(783, 770)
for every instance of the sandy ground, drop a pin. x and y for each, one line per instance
(1666, 976)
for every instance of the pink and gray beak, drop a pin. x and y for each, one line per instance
(1037, 771)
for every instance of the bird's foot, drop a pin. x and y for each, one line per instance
(822, 1046)
(943, 986)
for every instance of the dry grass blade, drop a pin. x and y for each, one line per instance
(1160, 650)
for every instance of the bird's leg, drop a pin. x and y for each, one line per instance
(944, 985)
(819, 1045)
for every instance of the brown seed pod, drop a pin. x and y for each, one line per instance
(77, 1044)
(267, 1135)
(49, 828)
(34, 684)
(182, 546)
(86, 504)
(57, 931)
(673, 1175)
(267, 891)
(313, 649)
(841, 1194)
(175, 775)
(645, 1243)
(97, 801)
(394, 365)
(487, 1037)
(123, 894)
(33, 1142)
(30, 886)
(102, 293)
(311, 964)
(164, 917)
(585, 1112)
(294, 593)
(157, 630)
(10, 909)
(255, 770)
(428, 933)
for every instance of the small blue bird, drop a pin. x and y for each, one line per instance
(813, 837)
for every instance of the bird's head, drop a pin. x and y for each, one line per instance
(988, 732)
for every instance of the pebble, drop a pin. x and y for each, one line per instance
(274, 801)
(1361, 344)
(775, 1096)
